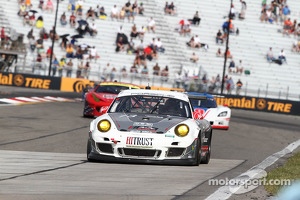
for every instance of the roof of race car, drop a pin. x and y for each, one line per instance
(172, 94)
(199, 94)
(120, 84)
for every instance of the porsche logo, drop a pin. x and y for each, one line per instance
(18, 80)
(261, 104)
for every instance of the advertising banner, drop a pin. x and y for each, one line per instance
(260, 104)
(74, 84)
(30, 81)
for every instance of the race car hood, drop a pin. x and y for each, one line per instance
(144, 123)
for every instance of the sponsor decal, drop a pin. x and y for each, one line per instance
(144, 124)
(139, 142)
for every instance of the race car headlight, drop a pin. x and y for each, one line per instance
(222, 114)
(103, 125)
(181, 130)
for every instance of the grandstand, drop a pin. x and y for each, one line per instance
(250, 46)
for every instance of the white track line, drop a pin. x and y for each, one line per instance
(224, 192)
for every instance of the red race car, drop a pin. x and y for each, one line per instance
(98, 99)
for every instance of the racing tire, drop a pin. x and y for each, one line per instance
(198, 156)
(205, 159)
(88, 151)
(83, 114)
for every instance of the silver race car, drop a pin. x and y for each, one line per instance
(150, 126)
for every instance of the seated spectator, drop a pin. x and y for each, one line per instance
(22, 10)
(156, 69)
(69, 68)
(297, 31)
(141, 9)
(281, 56)
(41, 4)
(72, 20)
(93, 53)
(133, 69)
(49, 6)
(196, 19)
(69, 51)
(194, 58)
(140, 58)
(79, 11)
(53, 35)
(124, 72)
(286, 12)
(219, 53)
(239, 85)
(219, 37)
(90, 13)
(31, 19)
(240, 68)
(131, 47)
(49, 52)
(61, 66)
(93, 29)
(148, 53)
(142, 32)
(26, 19)
(165, 73)
(287, 27)
(39, 22)
(159, 46)
(32, 43)
(63, 19)
(114, 13)
(120, 45)
(78, 53)
(185, 28)
(64, 41)
(151, 25)
(134, 10)
(170, 8)
(145, 71)
(102, 13)
(270, 56)
(228, 54)
(55, 65)
(134, 33)
(122, 14)
(231, 67)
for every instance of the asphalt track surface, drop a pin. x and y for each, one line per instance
(43, 146)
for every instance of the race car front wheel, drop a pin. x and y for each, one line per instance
(205, 159)
(197, 158)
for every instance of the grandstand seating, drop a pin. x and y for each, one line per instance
(250, 45)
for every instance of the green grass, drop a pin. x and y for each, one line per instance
(290, 170)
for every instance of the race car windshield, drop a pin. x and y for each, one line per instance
(203, 103)
(112, 89)
(151, 105)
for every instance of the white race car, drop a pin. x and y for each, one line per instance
(205, 107)
(150, 126)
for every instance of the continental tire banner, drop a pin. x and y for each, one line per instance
(260, 104)
(74, 84)
(30, 81)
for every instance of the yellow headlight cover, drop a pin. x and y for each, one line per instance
(103, 125)
(182, 130)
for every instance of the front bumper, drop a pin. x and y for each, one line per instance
(108, 152)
